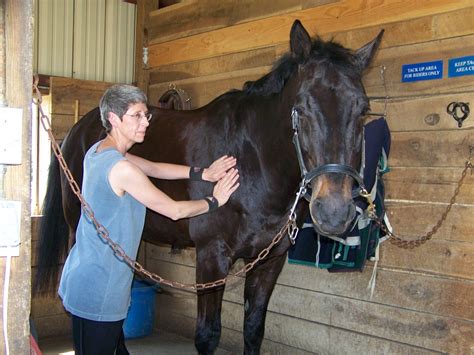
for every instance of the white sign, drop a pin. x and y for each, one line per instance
(11, 120)
(10, 218)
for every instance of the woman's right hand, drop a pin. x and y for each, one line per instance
(226, 186)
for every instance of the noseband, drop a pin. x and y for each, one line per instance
(308, 176)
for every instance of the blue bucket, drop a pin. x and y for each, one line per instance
(141, 314)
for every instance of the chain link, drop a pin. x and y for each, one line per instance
(410, 244)
(117, 249)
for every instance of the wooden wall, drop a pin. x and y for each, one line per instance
(423, 298)
(16, 40)
(71, 99)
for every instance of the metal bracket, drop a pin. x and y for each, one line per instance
(459, 110)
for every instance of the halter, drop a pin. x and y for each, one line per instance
(308, 176)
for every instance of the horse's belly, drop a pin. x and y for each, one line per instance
(162, 230)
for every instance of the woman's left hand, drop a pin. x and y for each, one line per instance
(218, 169)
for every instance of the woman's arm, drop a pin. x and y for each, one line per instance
(127, 177)
(174, 171)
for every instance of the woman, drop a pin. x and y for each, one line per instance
(95, 284)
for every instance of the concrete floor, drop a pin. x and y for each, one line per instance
(157, 343)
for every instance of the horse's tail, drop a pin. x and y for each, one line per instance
(53, 234)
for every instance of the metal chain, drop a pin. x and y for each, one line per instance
(117, 249)
(410, 244)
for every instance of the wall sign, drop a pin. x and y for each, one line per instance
(422, 71)
(461, 66)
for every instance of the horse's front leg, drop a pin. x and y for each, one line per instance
(259, 284)
(212, 263)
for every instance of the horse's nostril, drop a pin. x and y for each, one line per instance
(317, 204)
(330, 218)
(351, 212)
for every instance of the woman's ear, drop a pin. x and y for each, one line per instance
(114, 119)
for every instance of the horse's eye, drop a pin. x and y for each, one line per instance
(299, 110)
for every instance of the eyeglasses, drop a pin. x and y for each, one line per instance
(138, 116)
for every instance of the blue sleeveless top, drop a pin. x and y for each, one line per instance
(96, 284)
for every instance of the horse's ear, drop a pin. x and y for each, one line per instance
(300, 42)
(364, 54)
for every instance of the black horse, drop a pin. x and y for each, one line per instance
(313, 99)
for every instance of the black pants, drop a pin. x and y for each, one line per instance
(98, 338)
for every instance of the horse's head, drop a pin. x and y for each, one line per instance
(327, 117)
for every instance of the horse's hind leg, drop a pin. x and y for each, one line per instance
(259, 284)
(212, 264)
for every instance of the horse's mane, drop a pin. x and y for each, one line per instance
(284, 68)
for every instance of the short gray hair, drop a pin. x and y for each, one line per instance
(117, 99)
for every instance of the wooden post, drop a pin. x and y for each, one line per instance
(19, 58)
(76, 111)
(144, 7)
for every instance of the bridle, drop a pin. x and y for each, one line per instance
(308, 176)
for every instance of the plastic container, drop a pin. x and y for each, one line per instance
(141, 314)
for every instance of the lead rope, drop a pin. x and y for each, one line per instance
(290, 225)
(403, 243)
(410, 244)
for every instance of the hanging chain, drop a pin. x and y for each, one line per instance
(399, 242)
(117, 249)
(410, 244)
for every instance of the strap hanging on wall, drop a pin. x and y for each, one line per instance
(175, 99)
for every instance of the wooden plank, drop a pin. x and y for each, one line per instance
(53, 326)
(411, 31)
(414, 291)
(431, 149)
(422, 113)
(204, 89)
(61, 124)
(65, 91)
(46, 306)
(343, 15)
(418, 329)
(34, 257)
(428, 175)
(394, 58)
(319, 338)
(35, 221)
(428, 28)
(434, 193)
(394, 288)
(216, 65)
(428, 184)
(16, 71)
(416, 219)
(230, 339)
(353, 319)
(193, 17)
(453, 259)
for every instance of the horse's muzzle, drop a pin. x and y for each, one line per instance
(331, 205)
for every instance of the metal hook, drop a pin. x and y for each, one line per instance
(455, 109)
